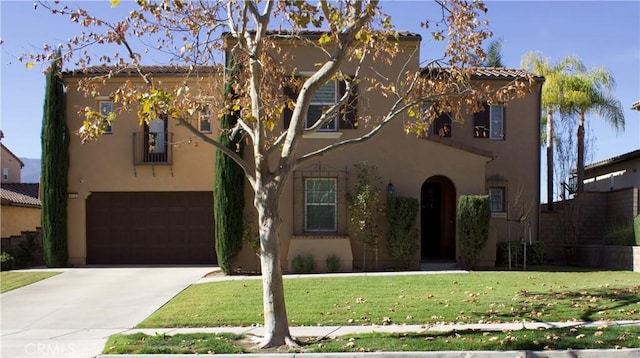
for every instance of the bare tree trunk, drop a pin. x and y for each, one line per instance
(276, 324)
(364, 257)
(550, 159)
(580, 160)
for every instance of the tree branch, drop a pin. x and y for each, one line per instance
(233, 155)
(396, 110)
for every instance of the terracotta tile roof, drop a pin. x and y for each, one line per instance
(20, 194)
(613, 160)
(461, 146)
(492, 73)
(165, 70)
(315, 34)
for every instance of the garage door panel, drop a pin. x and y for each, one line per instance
(150, 228)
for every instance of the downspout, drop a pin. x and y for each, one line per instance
(539, 209)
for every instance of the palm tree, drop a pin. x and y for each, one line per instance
(590, 92)
(552, 99)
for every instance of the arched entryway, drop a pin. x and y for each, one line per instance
(438, 219)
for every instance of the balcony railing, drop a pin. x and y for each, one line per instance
(152, 148)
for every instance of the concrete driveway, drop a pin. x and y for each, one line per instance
(73, 314)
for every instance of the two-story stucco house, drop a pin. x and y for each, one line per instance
(11, 166)
(20, 202)
(142, 195)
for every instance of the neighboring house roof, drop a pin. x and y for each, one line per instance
(20, 194)
(491, 73)
(15, 156)
(165, 70)
(636, 105)
(614, 160)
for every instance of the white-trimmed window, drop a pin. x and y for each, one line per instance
(496, 122)
(205, 118)
(496, 199)
(106, 107)
(5, 173)
(320, 203)
(325, 97)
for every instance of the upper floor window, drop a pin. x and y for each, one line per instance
(442, 125)
(326, 96)
(496, 124)
(205, 117)
(5, 173)
(323, 99)
(106, 107)
(489, 123)
(320, 202)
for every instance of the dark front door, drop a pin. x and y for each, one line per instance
(150, 228)
(437, 217)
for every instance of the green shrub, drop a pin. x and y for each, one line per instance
(6, 261)
(364, 207)
(333, 263)
(402, 237)
(304, 264)
(535, 253)
(636, 228)
(23, 254)
(621, 235)
(473, 227)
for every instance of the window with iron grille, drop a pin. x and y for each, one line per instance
(496, 199)
(320, 199)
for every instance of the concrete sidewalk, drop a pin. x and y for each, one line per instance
(335, 331)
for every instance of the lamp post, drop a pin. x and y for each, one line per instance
(390, 188)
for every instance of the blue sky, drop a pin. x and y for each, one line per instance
(600, 33)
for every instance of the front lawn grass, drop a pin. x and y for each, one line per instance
(10, 280)
(538, 340)
(196, 343)
(472, 340)
(475, 297)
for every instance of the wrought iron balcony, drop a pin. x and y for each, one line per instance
(152, 148)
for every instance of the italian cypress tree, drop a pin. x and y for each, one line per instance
(55, 162)
(228, 194)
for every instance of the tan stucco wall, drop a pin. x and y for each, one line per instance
(406, 161)
(106, 165)
(13, 166)
(16, 219)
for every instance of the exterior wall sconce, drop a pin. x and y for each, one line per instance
(390, 188)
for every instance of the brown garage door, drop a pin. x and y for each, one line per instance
(150, 228)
